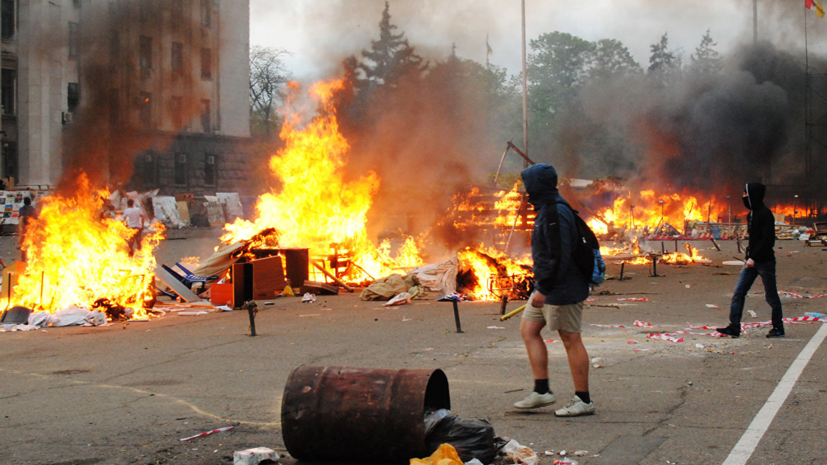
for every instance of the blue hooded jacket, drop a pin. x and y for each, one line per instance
(552, 245)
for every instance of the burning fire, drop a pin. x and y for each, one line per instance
(75, 257)
(494, 273)
(316, 208)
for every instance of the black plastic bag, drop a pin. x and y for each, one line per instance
(472, 438)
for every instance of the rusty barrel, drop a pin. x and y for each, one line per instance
(360, 414)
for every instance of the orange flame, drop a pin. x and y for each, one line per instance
(316, 207)
(75, 257)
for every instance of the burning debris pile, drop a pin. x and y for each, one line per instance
(77, 258)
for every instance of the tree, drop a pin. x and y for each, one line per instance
(268, 75)
(559, 65)
(706, 61)
(662, 62)
(389, 58)
(611, 59)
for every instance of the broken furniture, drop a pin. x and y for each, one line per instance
(193, 278)
(173, 281)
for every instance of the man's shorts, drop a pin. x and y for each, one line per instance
(567, 318)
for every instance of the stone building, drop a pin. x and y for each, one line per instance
(142, 93)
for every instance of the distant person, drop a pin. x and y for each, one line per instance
(559, 294)
(134, 218)
(760, 261)
(25, 216)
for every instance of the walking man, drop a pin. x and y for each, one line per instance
(760, 261)
(559, 293)
(134, 217)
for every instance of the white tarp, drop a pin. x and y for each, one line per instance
(232, 205)
(165, 210)
(70, 316)
(440, 277)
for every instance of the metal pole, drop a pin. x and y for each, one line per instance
(754, 21)
(500, 168)
(525, 92)
(456, 316)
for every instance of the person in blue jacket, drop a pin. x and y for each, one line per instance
(559, 294)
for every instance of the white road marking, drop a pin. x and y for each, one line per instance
(752, 436)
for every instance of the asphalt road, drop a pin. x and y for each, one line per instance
(127, 394)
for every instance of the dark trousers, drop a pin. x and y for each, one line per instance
(767, 272)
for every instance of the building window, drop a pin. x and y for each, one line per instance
(146, 110)
(210, 171)
(146, 56)
(73, 97)
(145, 10)
(181, 169)
(8, 93)
(177, 58)
(177, 113)
(73, 40)
(206, 13)
(147, 168)
(206, 117)
(8, 19)
(114, 107)
(206, 63)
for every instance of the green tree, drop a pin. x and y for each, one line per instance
(611, 59)
(268, 75)
(706, 61)
(390, 58)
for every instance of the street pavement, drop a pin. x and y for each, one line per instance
(127, 393)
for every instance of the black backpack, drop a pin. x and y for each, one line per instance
(586, 253)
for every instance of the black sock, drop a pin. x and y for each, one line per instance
(584, 396)
(541, 386)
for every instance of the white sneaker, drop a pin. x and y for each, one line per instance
(536, 400)
(576, 409)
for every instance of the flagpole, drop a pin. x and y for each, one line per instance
(525, 93)
(487, 54)
(754, 21)
(807, 152)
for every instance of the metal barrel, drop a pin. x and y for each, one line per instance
(360, 414)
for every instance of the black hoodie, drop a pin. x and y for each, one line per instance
(553, 239)
(760, 225)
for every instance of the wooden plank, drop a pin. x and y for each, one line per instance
(319, 288)
(180, 288)
(335, 279)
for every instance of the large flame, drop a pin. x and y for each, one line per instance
(75, 257)
(315, 207)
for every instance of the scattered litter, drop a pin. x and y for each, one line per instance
(308, 298)
(402, 298)
(642, 324)
(700, 346)
(254, 456)
(266, 304)
(580, 453)
(711, 306)
(640, 350)
(631, 342)
(310, 315)
(523, 455)
(752, 314)
(665, 337)
(198, 313)
(633, 299)
(496, 327)
(565, 462)
(219, 430)
(598, 362)
(815, 315)
(551, 341)
(453, 297)
(796, 295)
(688, 286)
(609, 326)
(224, 308)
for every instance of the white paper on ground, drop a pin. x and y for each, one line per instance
(254, 456)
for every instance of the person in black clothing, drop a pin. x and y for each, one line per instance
(26, 214)
(760, 261)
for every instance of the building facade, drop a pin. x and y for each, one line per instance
(145, 93)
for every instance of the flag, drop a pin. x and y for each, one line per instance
(490, 51)
(809, 4)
